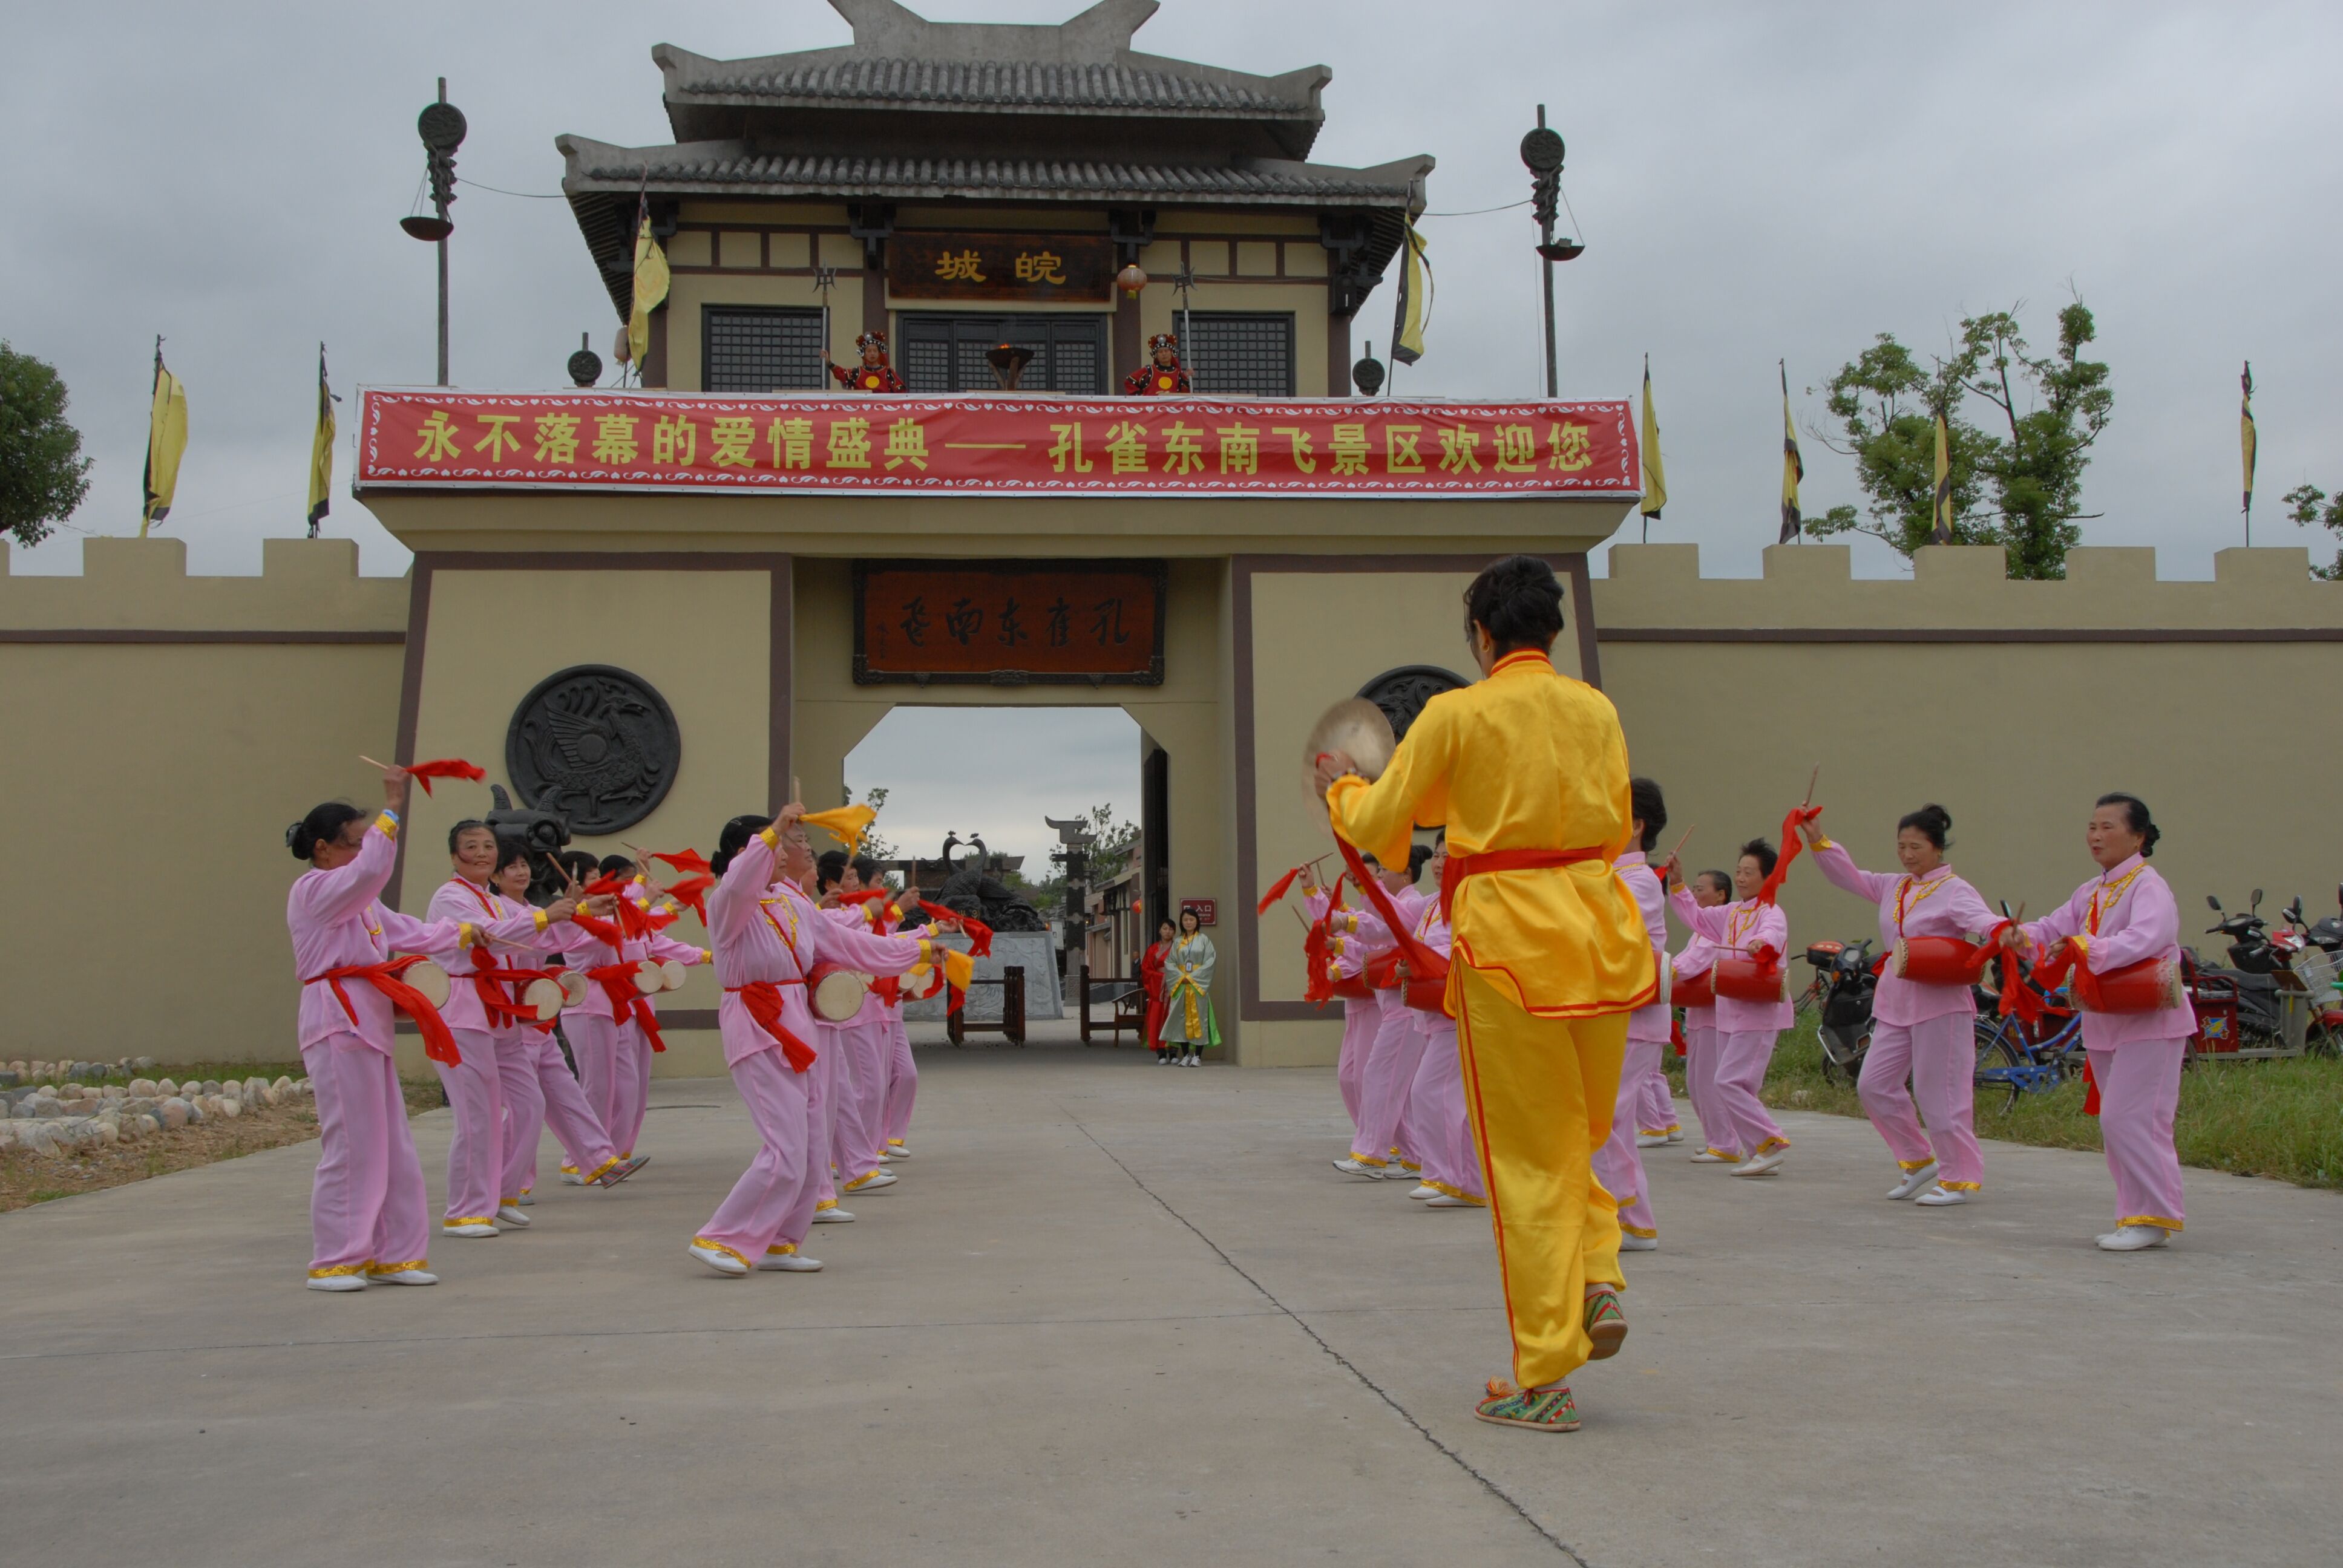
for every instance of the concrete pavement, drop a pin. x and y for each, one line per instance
(1115, 1314)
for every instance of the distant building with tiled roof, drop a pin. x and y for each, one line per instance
(971, 183)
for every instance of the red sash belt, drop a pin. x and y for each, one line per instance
(627, 999)
(439, 1044)
(763, 1000)
(1460, 867)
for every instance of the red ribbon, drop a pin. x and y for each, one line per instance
(1791, 843)
(1277, 890)
(444, 768)
(2090, 1090)
(689, 860)
(763, 1000)
(439, 1043)
(979, 935)
(1421, 962)
(601, 931)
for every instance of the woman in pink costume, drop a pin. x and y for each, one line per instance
(858, 1077)
(768, 937)
(368, 1216)
(1719, 1145)
(1748, 927)
(1361, 1014)
(1436, 1126)
(2122, 917)
(1619, 1163)
(902, 1070)
(1398, 1047)
(479, 1012)
(1919, 1030)
(543, 1092)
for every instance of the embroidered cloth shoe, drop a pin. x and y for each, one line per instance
(2134, 1238)
(720, 1258)
(833, 1215)
(571, 1177)
(1631, 1242)
(337, 1284)
(1943, 1197)
(511, 1215)
(1606, 1323)
(1764, 1165)
(1915, 1181)
(1647, 1139)
(1543, 1410)
(1714, 1157)
(413, 1274)
(787, 1260)
(1447, 1201)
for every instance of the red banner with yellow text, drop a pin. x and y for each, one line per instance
(961, 444)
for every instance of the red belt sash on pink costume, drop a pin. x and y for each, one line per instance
(439, 1044)
(763, 1000)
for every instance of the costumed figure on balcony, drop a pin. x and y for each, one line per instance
(874, 374)
(1163, 375)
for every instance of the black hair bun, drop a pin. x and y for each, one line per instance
(296, 839)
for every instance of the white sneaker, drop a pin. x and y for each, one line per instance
(2134, 1238)
(1943, 1197)
(1713, 1157)
(898, 1151)
(1915, 1181)
(527, 1200)
(1631, 1242)
(473, 1228)
(1447, 1202)
(403, 1277)
(726, 1263)
(1193, 1060)
(1762, 1164)
(777, 1262)
(1426, 1190)
(832, 1217)
(871, 1181)
(571, 1177)
(512, 1216)
(1675, 1134)
(1359, 1168)
(339, 1284)
(1650, 1140)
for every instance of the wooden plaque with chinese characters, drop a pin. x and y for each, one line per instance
(1001, 267)
(1009, 623)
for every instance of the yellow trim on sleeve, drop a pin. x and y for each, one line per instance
(772, 840)
(467, 934)
(387, 825)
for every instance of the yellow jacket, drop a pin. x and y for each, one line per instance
(1525, 759)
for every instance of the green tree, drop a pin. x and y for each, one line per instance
(2017, 477)
(873, 843)
(43, 475)
(2303, 505)
(1114, 839)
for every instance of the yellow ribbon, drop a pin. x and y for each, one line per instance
(843, 823)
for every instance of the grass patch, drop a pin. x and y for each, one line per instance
(2277, 1119)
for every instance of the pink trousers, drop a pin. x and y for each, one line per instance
(1740, 1063)
(2139, 1090)
(475, 1155)
(594, 1045)
(1703, 1048)
(367, 1207)
(773, 1201)
(1939, 1056)
(857, 1085)
(1360, 1018)
(1655, 1109)
(1435, 1125)
(558, 1103)
(903, 1079)
(1391, 1072)
(630, 1088)
(1619, 1164)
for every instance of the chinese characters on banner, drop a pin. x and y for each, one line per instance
(1184, 446)
(1012, 266)
(1048, 622)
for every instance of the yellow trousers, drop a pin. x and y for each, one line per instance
(1539, 1092)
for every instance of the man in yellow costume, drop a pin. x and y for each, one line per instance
(1527, 770)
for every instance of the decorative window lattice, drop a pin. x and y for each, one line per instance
(1242, 353)
(763, 350)
(945, 353)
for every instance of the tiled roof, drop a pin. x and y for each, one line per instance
(991, 84)
(997, 177)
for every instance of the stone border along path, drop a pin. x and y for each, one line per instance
(1111, 1315)
(45, 1118)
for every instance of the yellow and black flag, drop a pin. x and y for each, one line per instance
(2246, 440)
(321, 449)
(1794, 467)
(166, 442)
(1414, 299)
(650, 283)
(1655, 478)
(1941, 530)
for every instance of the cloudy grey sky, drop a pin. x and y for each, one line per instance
(1754, 183)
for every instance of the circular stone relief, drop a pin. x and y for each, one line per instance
(595, 744)
(1402, 693)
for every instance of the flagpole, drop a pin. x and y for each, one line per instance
(146, 483)
(441, 206)
(2249, 440)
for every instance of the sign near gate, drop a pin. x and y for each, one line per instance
(652, 441)
(1009, 623)
(1013, 267)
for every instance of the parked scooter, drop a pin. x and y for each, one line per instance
(2254, 961)
(1843, 988)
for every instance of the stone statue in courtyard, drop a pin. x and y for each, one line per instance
(970, 889)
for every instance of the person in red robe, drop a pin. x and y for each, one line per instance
(874, 374)
(1150, 975)
(1163, 375)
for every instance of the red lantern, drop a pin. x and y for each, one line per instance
(1131, 280)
